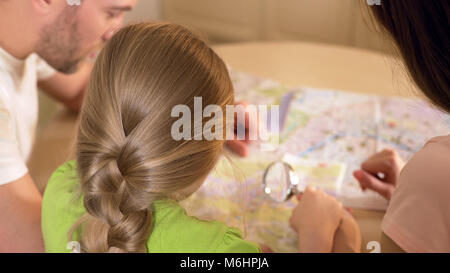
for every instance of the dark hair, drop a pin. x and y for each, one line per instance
(420, 30)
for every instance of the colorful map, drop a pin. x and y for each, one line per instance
(234, 194)
(327, 134)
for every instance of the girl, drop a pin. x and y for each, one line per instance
(120, 194)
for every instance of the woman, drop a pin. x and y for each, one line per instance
(418, 218)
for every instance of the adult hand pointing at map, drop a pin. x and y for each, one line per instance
(240, 146)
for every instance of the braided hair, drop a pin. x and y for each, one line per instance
(126, 157)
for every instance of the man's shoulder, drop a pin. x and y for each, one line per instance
(12, 164)
(6, 87)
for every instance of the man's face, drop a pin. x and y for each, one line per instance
(80, 30)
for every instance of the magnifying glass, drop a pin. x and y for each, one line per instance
(281, 182)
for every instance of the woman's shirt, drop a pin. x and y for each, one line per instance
(418, 216)
(173, 230)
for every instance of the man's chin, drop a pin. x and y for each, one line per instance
(69, 68)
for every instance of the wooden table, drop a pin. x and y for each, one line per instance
(293, 63)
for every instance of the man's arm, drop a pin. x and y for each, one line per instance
(68, 89)
(20, 215)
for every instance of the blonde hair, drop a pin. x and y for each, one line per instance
(126, 156)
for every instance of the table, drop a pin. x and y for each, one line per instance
(293, 63)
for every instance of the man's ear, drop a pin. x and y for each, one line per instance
(45, 7)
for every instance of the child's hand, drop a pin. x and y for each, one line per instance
(265, 248)
(387, 162)
(348, 236)
(316, 219)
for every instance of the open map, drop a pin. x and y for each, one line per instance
(327, 134)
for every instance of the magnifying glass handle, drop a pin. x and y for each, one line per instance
(331, 193)
(295, 191)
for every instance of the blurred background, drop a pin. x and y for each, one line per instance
(223, 21)
(337, 22)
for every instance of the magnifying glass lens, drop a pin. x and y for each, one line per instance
(277, 181)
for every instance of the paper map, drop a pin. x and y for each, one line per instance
(327, 134)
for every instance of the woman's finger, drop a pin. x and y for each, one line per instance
(368, 181)
(381, 164)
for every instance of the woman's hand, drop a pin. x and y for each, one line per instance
(316, 219)
(387, 162)
(265, 248)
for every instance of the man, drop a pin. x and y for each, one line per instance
(42, 42)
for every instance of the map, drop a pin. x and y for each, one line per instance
(326, 135)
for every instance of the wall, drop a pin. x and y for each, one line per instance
(327, 21)
(145, 10)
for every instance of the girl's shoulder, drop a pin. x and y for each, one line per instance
(63, 185)
(62, 206)
(175, 231)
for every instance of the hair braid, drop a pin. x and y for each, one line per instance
(109, 198)
(126, 157)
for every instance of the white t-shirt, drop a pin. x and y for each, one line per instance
(18, 111)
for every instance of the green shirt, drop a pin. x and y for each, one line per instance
(173, 230)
